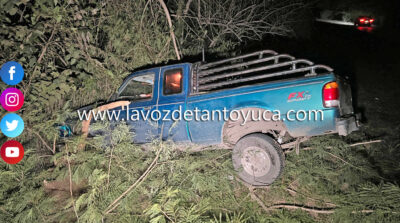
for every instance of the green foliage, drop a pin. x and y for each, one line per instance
(77, 52)
(169, 207)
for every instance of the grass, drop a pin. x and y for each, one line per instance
(330, 183)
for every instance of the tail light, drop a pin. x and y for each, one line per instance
(362, 20)
(371, 20)
(330, 94)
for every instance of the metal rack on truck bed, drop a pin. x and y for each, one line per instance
(241, 70)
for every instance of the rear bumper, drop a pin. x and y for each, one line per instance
(347, 125)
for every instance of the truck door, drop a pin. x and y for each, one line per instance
(142, 90)
(172, 102)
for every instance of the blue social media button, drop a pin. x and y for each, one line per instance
(12, 73)
(12, 125)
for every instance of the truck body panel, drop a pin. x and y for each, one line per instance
(285, 95)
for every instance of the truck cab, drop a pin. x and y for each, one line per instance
(163, 88)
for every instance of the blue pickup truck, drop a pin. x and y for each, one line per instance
(284, 90)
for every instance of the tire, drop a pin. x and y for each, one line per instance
(247, 155)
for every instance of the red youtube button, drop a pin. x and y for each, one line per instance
(12, 152)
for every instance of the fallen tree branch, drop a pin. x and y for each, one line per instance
(44, 49)
(153, 164)
(310, 209)
(293, 144)
(42, 140)
(372, 211)
(366, 143)
(171, 31)
(344, 161)
(257, 199)
(329, 147)
(39, 61)
(187, 7)
(109, 167)
(294, 192)
(113, 208)
(70, 183)
(165, 214)
(4, 211)
(54, 145)
(315, 210)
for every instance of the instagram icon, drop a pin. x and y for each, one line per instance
(12, 99)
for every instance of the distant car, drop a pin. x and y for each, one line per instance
(364, 21)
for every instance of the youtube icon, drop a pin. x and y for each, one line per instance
(12, 152)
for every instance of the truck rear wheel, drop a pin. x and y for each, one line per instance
(258, 159)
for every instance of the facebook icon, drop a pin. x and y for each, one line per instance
(12, 73)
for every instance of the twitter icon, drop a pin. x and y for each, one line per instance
(12, 125)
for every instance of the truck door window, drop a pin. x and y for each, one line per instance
(173, 81)
(139, 88)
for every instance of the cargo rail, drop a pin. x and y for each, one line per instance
(242, 70)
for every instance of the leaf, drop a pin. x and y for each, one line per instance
(158, 219)
(59, 18)
(13, 11)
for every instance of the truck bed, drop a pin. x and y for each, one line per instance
(271, 96)
(262, 66)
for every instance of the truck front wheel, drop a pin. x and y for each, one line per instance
(258, 159)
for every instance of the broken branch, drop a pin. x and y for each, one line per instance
(70, 183)
(315, 210)
(171, 31)
(42, 140)
(137, 182)
(329, 147)
(366, 143)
